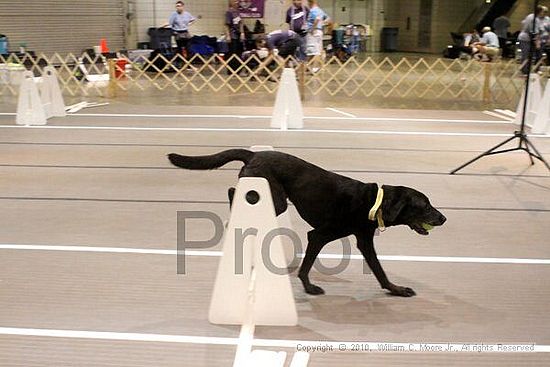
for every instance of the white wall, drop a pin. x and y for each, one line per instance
(395, 15)
(359, 11)
(155, 13)
(447, 15)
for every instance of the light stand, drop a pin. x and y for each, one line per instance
(524, 142)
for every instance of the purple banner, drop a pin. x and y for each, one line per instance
(251, 8)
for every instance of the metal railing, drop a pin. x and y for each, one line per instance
(498, 82)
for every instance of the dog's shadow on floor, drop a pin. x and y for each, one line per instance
(373, 306)
(374, 311)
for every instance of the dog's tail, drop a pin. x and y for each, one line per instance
(213, 161)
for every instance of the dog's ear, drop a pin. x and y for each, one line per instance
(393, 203)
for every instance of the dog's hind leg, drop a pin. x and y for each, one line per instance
(277, 193)
(317, 239)
(279, 198)
(230, 195)
(277, 190)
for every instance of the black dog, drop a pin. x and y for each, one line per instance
(335, 206)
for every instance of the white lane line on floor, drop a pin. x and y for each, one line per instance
(118, 336)
(498, 115)
(341, 112)
(322, 131)
(167, 116)
(445, 259)
(121, 250)
(268, 117)
(474, 347)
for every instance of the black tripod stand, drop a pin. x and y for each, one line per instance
(524, 142)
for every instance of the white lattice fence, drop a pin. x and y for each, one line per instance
(199, 74)
(438, 79)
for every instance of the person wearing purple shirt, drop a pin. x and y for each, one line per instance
(234, 34)
(285, 42)
(296, 17)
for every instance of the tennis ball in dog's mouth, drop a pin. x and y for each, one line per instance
(427, 227)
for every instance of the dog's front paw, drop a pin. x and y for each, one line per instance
(397, 290)
(314, 290)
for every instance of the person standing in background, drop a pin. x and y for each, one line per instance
(524, 37)
(545, 37)
(296, 17)
(234, 34)
(501, 26)
(180, 20)
(316, 19)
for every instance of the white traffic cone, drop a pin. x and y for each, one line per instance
(288, 112)
(542, 121)
(51, 94)
(30, 110)
(533, 101)
(252, 285)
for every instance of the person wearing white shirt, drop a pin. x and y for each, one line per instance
(524, 37)
(488, 46)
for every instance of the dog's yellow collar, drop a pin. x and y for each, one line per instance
(376, 212)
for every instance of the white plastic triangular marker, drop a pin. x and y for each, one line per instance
(55, 98)
(287, 111)
(261, 148)
(45, 97)
(542, 120)
(30, 110)
(533, 101)
(272, 300)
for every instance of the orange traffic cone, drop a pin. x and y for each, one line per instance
(103, 46)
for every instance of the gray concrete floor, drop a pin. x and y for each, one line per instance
(110, 187)
(170, 98)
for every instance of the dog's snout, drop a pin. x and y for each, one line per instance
(442, 219)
